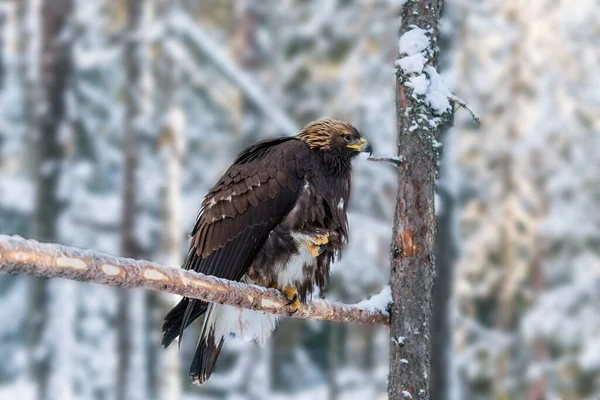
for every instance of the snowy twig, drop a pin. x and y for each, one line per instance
(463, 104)
(20, 256)
(397, 161)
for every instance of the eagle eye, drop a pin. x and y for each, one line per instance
(347, 138)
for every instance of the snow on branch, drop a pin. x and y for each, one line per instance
(415, 72)
(21, 256)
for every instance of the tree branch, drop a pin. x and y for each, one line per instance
(20, 256)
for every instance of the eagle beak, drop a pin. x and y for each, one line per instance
(363, 146)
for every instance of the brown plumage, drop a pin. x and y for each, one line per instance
(276, 218)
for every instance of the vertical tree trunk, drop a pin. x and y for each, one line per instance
(247, 53)
(445, 255)
(28, 15)
(48, 96)
(413, 237)
(131, 370)
(172, 149)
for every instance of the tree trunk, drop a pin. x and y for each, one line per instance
(132, 371)
(413, 237)
(47, 95)
(247, 52)
(172, 150)
(445, 255)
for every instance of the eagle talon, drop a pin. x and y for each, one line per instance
(316, 245)
(323, 239)
(294, 301)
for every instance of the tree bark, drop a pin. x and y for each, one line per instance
(412, 257)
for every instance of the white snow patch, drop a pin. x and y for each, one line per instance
(378, 302)
(419, 84)
(17, 194)
(413, 42)
(406, 394)
(412, 64)
(438, 95)
(399, 340)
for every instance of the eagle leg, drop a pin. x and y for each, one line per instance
(316, 245)
(294, 300)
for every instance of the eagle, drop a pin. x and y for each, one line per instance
(277, 219)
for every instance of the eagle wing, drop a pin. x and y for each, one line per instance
(253, 196)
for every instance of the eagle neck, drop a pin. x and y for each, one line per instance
(339, 165)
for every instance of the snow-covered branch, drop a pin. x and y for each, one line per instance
(20, 256)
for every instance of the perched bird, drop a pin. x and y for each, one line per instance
(276, 218)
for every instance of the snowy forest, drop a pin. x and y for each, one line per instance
(116, 118)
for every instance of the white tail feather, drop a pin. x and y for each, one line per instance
(236, 322)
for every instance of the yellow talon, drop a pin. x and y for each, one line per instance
(323, 239)
(313, 249)
(316, 244)
(292, 295)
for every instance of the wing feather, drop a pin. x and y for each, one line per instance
(251, 198)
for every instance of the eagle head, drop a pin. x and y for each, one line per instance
(334, 136)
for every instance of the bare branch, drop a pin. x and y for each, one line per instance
(20, 256)
(397, 161)
(463, 104)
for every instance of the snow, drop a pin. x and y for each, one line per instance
(412, 64)
(419, 84)
(378, 302)
(438, 96)
(16, 194)
(413, 42)
(540, 134)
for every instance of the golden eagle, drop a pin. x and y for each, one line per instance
(277, 218)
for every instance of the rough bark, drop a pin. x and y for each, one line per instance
(412, 256)
(22, 256)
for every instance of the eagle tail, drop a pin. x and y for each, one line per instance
(209, 347)
(226, 321)
(180, 317)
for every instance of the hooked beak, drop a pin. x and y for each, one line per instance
(363, 146)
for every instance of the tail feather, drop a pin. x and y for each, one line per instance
(174, 324)
(208, 349)
(205, 358)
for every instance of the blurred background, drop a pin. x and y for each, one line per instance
(116, 117)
